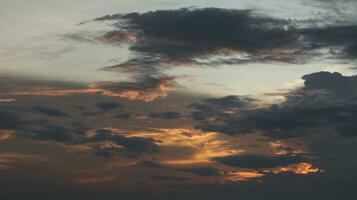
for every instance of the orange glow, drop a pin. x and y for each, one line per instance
(280, 148)
(7, 100)
(147, 95)
(80, 148)
(240, 176)
(202, 145)
(301, 168)
(5, 134)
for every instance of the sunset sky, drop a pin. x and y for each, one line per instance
(181, 100)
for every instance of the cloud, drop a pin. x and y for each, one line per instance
(150, 164)
(203, 171)
(147, 88)
(324, 105)
(340, 39)
(259, 161)
(165, 115)
(215, 36)
(9, 120)
(50, 132)
(182, 35)
(108, 106)
(142, 88)
(7, 100)
(169, 178)
(132, 144)
(213, 108)
(124, 116)
(51, 112)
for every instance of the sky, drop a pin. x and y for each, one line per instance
(168, 99)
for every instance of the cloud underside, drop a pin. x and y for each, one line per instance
(325, 105)
(259, 161)
(213, 36)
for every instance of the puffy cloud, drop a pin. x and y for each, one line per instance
(324, 105)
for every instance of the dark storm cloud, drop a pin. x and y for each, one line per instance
(146, 88)
(340, 39)
(108, 106)
(132, 144)
(214, 36)
(51, 112)
(326, 104)
(260, 161)
(165, 115)
(179, 36)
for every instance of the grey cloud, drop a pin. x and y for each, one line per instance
(132, 144)
(48, 132)
(108, 106)
(191, 36)
(179, 36)
(150, 164)
(48, 111)
(9, 120)
(124, 116)
(165, 115)
(216, 107)
(325, 105)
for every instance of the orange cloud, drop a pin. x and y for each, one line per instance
(7, 100)
(158, 90)
(203, 145)
(5, 134)
(301, 168)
